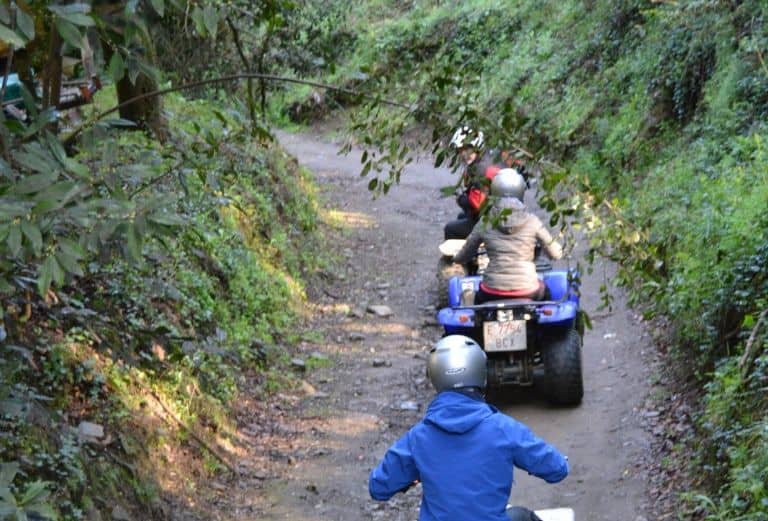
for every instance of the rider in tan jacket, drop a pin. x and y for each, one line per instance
(510, 236)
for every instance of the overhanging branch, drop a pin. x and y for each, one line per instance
(223, 79)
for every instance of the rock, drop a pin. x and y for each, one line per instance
(307, 388)
(409, 405)
(380, 310)
(317, 355)
(298, 364)
(356, 337)
(88, 432)
(159, 351)
(378, 362)
(120, 514)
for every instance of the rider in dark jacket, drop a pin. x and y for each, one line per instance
(479, 168)
(464, 450)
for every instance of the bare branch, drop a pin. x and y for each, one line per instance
(223, 79)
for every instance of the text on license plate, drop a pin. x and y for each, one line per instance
(504, 336)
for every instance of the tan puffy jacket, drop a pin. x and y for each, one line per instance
(510, 246)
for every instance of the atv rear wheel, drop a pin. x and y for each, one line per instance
(562, 367)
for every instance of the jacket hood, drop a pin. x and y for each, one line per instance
(510, 213)
(457, 413)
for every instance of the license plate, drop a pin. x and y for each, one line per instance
(504, 336)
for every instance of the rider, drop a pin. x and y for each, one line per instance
(463, 451)
(509, 159)
(510, 238)
(479, 169)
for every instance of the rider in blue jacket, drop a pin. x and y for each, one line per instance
(463, 451)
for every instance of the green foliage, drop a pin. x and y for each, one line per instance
(735, 444)
(32, 500)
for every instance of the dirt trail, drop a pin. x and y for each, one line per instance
(313, 465)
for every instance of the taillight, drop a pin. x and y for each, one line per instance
(546, 311)
(463, 318)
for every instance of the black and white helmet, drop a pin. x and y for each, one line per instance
(466, 136)
(508, 183)
(457, 361)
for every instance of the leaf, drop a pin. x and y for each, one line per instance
(80, 170)
(42, 119)
(149, 71)
(13, 407)
(33, 235)
(71, 248)
(69, 263)
(197, 17)
(158, 6)
(26, 24)
(211, 20)
(36, 491)
(168, 219)
(116, 68)
(366, 169)
(57, 193)
(10, 36)
(75, 14)
(34, 183)
(69, 32)
(10, 209)
(33, 162)
(44, 510)
(130, 7)
(45, 275)
(133, 242)
(8, 472)
(14, 240)
(56, 148)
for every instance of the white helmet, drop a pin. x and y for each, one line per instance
(508, 183)
(457, 361)
(466, 136)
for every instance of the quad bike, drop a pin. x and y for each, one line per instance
(524, 338)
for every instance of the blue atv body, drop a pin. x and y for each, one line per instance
(525, 340)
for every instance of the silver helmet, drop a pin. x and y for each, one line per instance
(457, 361)
(508, 183)
(466, 136)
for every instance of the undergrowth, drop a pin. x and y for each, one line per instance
(155, 353)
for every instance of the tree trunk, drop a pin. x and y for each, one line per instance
(147, 112)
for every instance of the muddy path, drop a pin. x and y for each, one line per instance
(366, 382)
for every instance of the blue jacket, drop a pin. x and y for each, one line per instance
(463, 452)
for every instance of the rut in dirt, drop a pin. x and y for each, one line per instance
(374, 387)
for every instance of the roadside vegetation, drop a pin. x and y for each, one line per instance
(153, 267)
